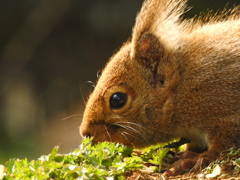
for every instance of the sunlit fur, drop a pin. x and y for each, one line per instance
(182, 78)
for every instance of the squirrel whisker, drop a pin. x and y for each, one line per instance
(132, 130)
(123, 134)
(108, 133)
(140, 140)
(74, 115)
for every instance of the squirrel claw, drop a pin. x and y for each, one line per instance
(189, 162)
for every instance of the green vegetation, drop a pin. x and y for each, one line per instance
(101, 161)
(108, 161)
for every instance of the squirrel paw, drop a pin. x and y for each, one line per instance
(188, 161)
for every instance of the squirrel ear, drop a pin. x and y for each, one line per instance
(148, 49)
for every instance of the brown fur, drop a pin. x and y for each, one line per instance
(182, 78)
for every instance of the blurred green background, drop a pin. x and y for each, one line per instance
(49, 50)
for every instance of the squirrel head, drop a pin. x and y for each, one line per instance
(129, 104)
(130, 95)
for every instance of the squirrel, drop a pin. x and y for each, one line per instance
(174, 78)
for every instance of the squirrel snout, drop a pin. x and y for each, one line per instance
(84, 132)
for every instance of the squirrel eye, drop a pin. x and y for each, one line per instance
(118, 100)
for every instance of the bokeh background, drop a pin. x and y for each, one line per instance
(49, 51)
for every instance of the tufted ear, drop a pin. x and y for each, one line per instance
(148, 50)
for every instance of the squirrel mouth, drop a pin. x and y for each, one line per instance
(103, 131)
(109, 127)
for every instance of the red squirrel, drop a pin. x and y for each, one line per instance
(174, 78)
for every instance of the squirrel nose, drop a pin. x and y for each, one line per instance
(84, 132)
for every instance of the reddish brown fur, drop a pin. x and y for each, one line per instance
(182, 78)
